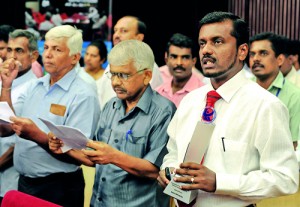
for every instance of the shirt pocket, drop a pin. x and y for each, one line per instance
(56, 119)
(135, 144)
(104, 135)
(233, 155)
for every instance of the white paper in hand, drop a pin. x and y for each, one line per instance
(73, 138)
(6, 112)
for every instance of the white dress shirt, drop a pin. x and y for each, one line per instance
(258, 161)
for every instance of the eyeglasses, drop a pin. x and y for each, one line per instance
(122, 76)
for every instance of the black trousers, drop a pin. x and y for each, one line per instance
(66, 189)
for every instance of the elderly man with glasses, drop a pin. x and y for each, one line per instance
(132, 133)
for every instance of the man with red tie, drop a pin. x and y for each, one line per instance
(243, 162)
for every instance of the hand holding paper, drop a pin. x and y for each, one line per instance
(72, 138)
(6, 112)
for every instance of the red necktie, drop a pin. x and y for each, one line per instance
(209, 113)
(207, 116)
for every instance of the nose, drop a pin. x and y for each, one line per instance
(206, 49)
(179, 61)
(47, 53)
(115, 80)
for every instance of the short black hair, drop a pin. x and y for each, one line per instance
(240, 27)
(5, 29)
(277, 41)
(101, 47)
(182, 41)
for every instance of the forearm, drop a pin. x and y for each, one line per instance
(6, 95)
(6, 160)
(136, 166)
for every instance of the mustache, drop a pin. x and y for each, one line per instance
(257, 65)
(118, 88)
(206, 56)
(179, 68)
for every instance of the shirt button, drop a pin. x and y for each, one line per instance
(103, 179)
(116, 140)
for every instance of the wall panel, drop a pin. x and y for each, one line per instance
(280, 16)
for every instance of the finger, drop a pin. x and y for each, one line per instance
(185, 179)
(190, 165)
(162, 182)
(89, 153)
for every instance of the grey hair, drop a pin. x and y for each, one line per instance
(32, 40)
(132, 50)
(73, 35)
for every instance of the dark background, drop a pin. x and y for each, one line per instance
(163, 18)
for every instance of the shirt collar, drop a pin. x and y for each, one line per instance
(24, 78)
(188, 87)
(64, 83)
(278, 82)
(231, 87)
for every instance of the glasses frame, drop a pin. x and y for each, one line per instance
(122, 76)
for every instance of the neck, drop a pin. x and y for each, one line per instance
(266, 82)
(20, 73)
(178, 84)
(96, 73)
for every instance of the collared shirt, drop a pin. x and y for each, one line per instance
(293, 77)
(106, 92)
(166, 89)
(289, 94)
(258, 161)
(140, 133)
(71, 102)
(9, 177)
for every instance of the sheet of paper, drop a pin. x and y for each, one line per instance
(73, 138)
(6, 112)
(199, 142)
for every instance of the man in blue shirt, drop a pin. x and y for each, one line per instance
(61, 97)
(132, 136)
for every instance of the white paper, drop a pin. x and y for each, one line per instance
(199, 142)
(72, 138)
(6, 112)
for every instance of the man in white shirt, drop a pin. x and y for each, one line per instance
(250, 155)
(128, 27)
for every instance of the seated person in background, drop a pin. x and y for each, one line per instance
(61, 97)
(94, 57)
(181, 57)
(132, 136)
(266, 58)
(22, 47)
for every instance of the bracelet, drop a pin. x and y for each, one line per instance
(7, 89)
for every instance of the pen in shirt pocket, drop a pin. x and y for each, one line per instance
(128, 133)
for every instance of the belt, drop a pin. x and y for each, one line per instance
(251, 205)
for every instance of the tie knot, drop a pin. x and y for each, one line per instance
(212, 97)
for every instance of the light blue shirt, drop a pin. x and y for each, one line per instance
(9, 177)
(140, 133)
(81, 111)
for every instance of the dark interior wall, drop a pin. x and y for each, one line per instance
(166, 17)
(14, 13)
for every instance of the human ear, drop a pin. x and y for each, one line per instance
(243, 51)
